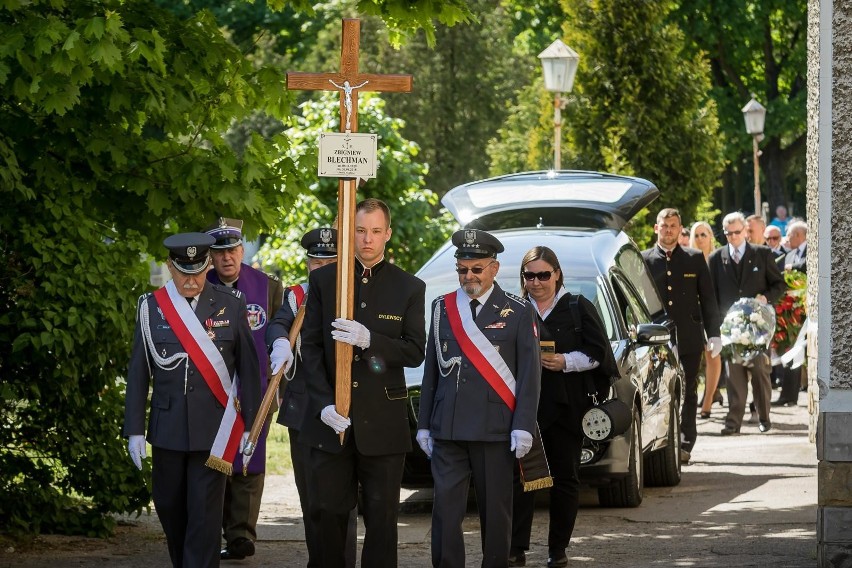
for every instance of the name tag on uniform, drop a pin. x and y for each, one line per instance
(690, 275)
(390, 317)
(222, 323)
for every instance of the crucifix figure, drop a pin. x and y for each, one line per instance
(344, 81)
(347, 100)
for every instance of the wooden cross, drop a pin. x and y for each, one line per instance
(349, 81)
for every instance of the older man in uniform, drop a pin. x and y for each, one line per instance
(683, 279)
(743, 270)
(193, 340)
(388, 333)
(320, 249)
(478, 402)
(263, 293)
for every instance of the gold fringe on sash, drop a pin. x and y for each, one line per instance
(535, 471)
(217, 463)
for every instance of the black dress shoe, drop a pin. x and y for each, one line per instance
(557, 559)
(517, 558)
(726, 431)
(237, 550)
(765, 426)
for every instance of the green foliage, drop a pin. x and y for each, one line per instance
(418, 226)
(111, 116)
(756, 47)
(405, 17)
(640, 106)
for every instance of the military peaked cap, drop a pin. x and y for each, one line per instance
(190, 252)
(473, 243)
(320, 243)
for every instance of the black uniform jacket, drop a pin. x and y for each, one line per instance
(756, 274)
(565, 396)
(688, 294)
(293, 392)
(391, 305)
(186, 416)
(462, 405)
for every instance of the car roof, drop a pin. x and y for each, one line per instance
(564, 198)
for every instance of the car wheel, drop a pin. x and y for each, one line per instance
(663, 466)
(627, 492)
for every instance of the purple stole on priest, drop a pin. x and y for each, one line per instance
(254, 285)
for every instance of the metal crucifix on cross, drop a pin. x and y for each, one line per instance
(348, 81)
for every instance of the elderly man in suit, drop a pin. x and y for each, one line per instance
(795, 259)
(194, 349)
(742, 270)
(478, 402)
(683, 279)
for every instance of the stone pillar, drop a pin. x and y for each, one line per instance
(829, 170)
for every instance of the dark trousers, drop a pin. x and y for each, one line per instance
(562, 444)
(738, 379)
(188, 497)
(791, 382)
(334, 488)
(300, 454)
(242, 506)
(691, 362)
(491, 464)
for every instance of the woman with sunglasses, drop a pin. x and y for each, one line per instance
(701, 238)
(563, 399)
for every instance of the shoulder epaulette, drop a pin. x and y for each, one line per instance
(272, 277)
(518, 299)
(235, 292)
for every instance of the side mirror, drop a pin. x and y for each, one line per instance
(652, 334)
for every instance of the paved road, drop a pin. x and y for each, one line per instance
(747, 500)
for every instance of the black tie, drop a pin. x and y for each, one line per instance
(189, 301)
(473, 305)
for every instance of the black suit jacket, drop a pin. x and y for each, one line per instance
(185, 416)
(391, 304)
(794, 264)
(688, 295)
(759, 275)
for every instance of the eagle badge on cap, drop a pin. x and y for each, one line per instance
(222, 223)
(190, 252)
(470, 237)
(325, 235)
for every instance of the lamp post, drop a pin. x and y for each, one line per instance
(755, 115)
(559, 63)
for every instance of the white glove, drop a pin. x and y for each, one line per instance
(714, 344)
(521, 443)
(351, 332)
(331, 418)
(243, 441)
(577, 362)
(136, 449)
(424, 439)
(281, 356)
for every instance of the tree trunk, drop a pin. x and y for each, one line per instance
(772, 164)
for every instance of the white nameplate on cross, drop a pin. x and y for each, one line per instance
(347, 155)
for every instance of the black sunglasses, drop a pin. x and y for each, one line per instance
(476, 269)
(542, 276)
(728, 233)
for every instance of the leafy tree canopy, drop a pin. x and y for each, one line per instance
(112, 116)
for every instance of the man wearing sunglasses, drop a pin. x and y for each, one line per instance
(683, 279)
(478, 401)
(743, 270)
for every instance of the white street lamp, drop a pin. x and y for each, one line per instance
(559, 63)
(754, 114)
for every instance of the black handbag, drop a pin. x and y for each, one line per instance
(603, 420)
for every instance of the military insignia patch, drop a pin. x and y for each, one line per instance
(506, 311)
(256, 316)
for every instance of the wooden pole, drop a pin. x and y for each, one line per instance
(757, 210)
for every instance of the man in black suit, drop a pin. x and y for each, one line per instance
(772, 237)
(388, 333)
(796, 259)
(683, 279)
(742, 270)
(192, 337)
(478, 402)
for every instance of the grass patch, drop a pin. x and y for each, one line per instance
(278, 460)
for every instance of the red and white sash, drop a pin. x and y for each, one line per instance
(478, 349)
(205, 355)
